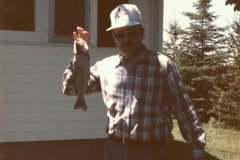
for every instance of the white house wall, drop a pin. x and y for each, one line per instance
(32, 105)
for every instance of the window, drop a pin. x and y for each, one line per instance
(68, 15)
(17, 15)
(24, 21)
(53, 21)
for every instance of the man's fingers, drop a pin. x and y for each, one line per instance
(85, 36)
(80, 32)
(75, 36)
(81, 36)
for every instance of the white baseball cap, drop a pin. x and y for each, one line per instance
(125, 15)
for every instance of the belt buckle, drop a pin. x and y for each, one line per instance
(123, 141)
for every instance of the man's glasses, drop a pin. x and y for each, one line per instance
(121, 35)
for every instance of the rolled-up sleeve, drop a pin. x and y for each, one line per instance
(182, 106)
(69, 85)
(94, 84)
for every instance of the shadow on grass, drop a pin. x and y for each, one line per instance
(178, 150)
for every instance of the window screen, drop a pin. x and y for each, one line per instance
(68, 15)
(17, 15)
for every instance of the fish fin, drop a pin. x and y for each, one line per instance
(80, 103)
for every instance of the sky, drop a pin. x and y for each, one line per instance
(172, 7)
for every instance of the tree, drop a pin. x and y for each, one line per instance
(234, 2)
(202, 36)
(234, 37)
(228, 101)
(193, 50)
(203, 55)
(171, 46)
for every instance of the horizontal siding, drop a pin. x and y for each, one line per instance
(48, 107)
(33, 78)
(42, 98)
(31, 69)
(30, 88)
(32, 59)
(52, 135)
(32, 105)
(52, 117)
(53, 126)
(38, 61)
(51, 50)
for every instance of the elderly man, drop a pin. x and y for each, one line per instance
(141, 89)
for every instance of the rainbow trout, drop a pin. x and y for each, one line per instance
(82, 73)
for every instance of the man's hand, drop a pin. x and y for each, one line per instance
(82, 36)
(81, 39)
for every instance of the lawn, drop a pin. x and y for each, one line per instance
(223, 144)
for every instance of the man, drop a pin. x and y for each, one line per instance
(141, 88)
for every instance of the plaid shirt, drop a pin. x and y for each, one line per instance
(140, 100)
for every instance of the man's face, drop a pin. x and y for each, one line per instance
(128, 40)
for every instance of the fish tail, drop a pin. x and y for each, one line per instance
(80, 103)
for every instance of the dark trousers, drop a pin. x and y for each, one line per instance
(117, 150)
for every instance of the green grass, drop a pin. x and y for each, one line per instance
(223, 144)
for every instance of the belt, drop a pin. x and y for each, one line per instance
(128, 141)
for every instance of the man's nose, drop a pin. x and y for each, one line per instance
(126, 37)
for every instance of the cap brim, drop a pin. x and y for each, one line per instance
(125, 25)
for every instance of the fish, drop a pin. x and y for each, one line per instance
(82, 73)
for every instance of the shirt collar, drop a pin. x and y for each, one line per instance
(146, 57)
